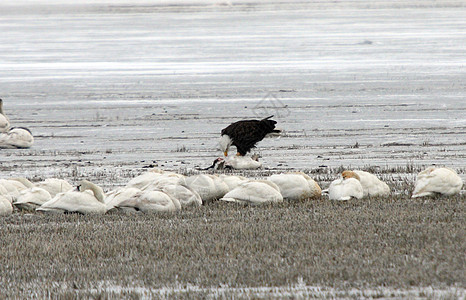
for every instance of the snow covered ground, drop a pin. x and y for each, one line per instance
(110, 86)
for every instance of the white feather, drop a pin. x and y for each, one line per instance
(345, 189)
(254, 192)
(437, 180)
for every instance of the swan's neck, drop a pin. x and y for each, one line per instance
(97, 190)
(24, 181)
(1, 107)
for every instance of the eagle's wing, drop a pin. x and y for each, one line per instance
(245, 134)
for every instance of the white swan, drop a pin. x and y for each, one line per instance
(236, 162)
(434, 180)
(16, 137)
(16, 184)
(5, 206)
(88, 200)
(144, 180)
(371, 185)
(232, 180)
(115, 197)
(4, 193)
(161, 181)
(296, 186)
(54, 186)
(24, 181)
(150, 201)
(209, 187)
(254, 192)
(32, 198)
(185, 195)
(243, 162)
(175, 185)
(4, 122)
(345, 189)
(13, 187)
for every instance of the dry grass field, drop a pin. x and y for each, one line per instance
(376, 247)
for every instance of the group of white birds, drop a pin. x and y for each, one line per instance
(157, 190)
(359, 184)
(13, 137)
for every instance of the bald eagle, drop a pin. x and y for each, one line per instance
(245, 134)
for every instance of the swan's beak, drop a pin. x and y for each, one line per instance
(238, 154)
(225, 153)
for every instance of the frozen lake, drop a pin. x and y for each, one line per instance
(110, 86)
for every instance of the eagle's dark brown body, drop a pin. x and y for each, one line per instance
(245, 134)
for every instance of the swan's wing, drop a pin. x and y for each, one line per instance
(254, 193)
(149, 202)
(5, 206)
(73, 201)
(184, 194)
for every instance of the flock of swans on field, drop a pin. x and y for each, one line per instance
(13, 137)
(158, 191)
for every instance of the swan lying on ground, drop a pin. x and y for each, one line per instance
(11, 188)
(236, 162)
(209, 187)
(115, 197)
(145, 180)
(4, 193)
(54, 186)
(243, 162)
(16, 137)
(32, 198)
(184, 194)
(296, 186)
(371, 185)
(345, 189)
(176, 187)
(23, 181)
(89, 199)
(168, 182)
(161, 181)
(150, 201)
(434, 180)
(254, 192)
(4, 122)
(232, 180)
(5, 206)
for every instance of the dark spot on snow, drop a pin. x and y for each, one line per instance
(366, 42)
(396, 144)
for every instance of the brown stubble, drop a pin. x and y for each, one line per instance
(396, 242)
